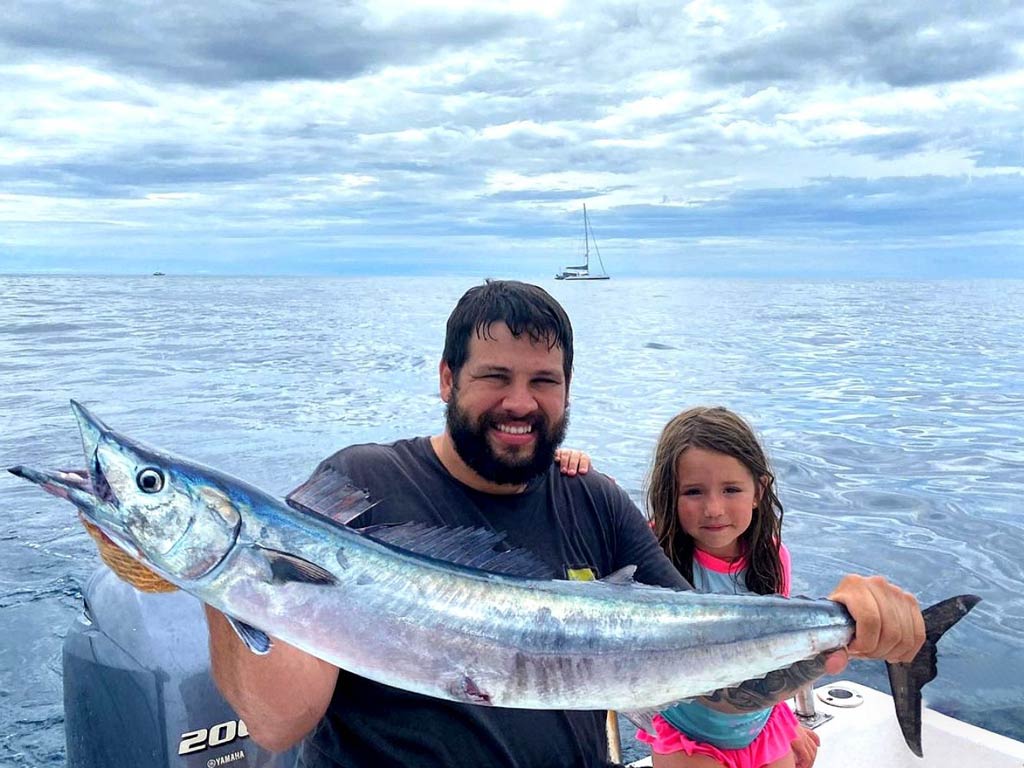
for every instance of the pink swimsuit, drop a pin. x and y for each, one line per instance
(781, 728)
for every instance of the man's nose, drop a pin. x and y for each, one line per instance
(519, 400)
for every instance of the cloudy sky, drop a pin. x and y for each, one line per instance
(786, 137)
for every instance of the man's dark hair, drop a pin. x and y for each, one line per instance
(524, 308)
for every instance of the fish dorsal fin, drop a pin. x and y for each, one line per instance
(255, 640)
(477, 548)
(285, 567)
(622, 576)
(332, 495)
(626, 577)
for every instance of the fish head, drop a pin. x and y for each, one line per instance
(173, 515)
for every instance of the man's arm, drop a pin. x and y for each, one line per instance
(889, 626)
(636, 543)
(281, 696)
(255, 686)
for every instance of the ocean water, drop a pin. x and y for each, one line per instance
(892, 411)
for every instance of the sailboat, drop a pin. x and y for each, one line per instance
(582, 271)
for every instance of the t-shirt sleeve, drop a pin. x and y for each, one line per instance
(637, 545)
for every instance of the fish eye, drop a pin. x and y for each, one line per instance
(150, 480)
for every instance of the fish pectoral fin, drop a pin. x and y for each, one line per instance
(255, 640)
(622, 576)
(285, 567)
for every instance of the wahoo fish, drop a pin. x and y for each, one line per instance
(448, 613)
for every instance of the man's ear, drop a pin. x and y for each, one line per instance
(447, 381)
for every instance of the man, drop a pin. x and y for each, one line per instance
(505, 375)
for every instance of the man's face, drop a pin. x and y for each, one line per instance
(508, 410)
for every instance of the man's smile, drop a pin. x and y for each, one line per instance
(524, 430)
(513, 434)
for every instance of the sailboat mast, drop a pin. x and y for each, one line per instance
(586, 238)
(582, 271)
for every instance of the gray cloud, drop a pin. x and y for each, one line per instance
(206, 130)
(1000, 146)
(897, 44)
(890, 145)
(840, 208)
(216, 44)
(549, 195)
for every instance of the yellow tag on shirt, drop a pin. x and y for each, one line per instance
(583, 573)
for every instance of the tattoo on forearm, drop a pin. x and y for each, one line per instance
(767, 691)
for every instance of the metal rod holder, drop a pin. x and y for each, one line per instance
(805, 709)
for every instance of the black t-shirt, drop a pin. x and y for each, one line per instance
(579, 526)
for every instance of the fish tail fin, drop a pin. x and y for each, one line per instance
(907, 680)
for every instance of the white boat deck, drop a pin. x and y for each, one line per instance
(868, 735)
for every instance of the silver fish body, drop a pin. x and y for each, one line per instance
(454, 633)
(430, 626)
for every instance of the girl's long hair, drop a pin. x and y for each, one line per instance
(720, 430)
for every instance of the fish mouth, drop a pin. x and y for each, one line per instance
(100, 487)
(87, 489)
(91, 495)
(93, 432)
(60, 482)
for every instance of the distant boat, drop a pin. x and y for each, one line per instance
(582, 271)
(158, 274)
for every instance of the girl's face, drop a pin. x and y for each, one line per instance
(717, 497)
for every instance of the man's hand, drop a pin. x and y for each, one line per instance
(889, 621)
(805, 747)
(572, 462)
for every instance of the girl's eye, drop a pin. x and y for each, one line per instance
(691, 492)
(150, 480)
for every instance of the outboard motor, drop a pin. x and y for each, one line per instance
(138, 692)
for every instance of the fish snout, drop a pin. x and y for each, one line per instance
(50, 480)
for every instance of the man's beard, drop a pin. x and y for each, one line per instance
(474, 448)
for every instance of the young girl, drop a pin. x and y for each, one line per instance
(713, 507)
